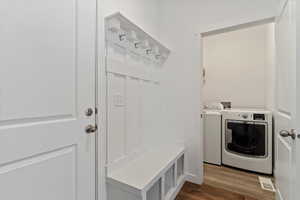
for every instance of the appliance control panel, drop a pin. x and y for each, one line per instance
(253, 116)
(259, 116)
(248, 115)
(245, 115)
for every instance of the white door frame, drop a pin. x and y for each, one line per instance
(101, 102)
(218, 30)
(297, 170)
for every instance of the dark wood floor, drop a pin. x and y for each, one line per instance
(223, 183)
(191, 191)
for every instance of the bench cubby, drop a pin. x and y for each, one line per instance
(152, 176)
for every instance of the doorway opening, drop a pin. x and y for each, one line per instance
(238, 102)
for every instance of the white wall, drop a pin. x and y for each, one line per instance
(144, 13)
(270, 68)
(238, 65)
(180, 25)
(133, 107)
(177, 24)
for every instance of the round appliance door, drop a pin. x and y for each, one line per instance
(246, 138)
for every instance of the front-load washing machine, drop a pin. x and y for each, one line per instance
(247, 140)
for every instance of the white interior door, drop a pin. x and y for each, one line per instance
(297, 169)
(47, 65)
(285, 115)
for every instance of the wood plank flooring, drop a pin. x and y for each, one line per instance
(192, 191)
(223, 183)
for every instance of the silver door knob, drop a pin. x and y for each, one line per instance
(285, 133)
(89, 112)
(91, 129)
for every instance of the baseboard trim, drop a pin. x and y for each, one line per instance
(278, 195)
(194, 179)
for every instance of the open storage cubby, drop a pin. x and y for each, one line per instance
(169, 180)
(180, 167)
(151, 176)
(155, 192)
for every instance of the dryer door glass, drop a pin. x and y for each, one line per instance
(246, 138)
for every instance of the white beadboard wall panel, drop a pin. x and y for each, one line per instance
(132, 107)
(133, 115)
(151, 113)
(116, 53)
(133, 79)
(116, 117)
(127, 69)
(121, 61)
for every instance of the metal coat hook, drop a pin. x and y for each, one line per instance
(137, 45)
(123, 33)
(122, 37)
(148, 51)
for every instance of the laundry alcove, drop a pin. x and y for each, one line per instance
(138, 167)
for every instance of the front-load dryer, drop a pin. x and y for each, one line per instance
(247, 140)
